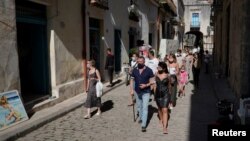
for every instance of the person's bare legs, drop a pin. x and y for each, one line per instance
(160, 116)
(165, 119)
(183, 90)
(88, 114)
(98, 111)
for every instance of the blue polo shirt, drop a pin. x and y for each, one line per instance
(142, 78)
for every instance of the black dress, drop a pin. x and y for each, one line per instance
(92, 100)
(162, 95)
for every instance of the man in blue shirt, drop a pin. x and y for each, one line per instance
(142, 76)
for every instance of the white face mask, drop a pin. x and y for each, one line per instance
(88, 65)
(133, 58)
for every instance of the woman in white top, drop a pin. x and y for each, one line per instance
(173, 69)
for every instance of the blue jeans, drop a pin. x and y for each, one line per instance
(142, 106)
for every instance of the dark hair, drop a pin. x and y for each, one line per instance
(109, 49)
(174, 57)
(179, 50)
(152, 52)
(141, 57)
(136, 54)
(92, 62)
(164, 66)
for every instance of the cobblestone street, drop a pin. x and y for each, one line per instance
(188, 119)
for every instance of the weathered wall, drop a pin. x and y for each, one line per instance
(117, 17)
(245, 50)
(65, 33)
(234, 40)
(235, 44)
(9, 70)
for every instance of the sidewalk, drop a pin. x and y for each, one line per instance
(221, 88)
(49, 114)
(223, 91)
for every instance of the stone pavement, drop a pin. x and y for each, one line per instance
(49, 114)
(188, 120)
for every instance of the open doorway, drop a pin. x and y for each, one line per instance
(118, 50)
(32, 51)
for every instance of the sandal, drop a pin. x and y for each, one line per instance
(165, 131)
(98, 113)
(87, 116)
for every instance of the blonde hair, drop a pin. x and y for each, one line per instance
(3, 100)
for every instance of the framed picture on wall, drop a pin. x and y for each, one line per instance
(12, 110)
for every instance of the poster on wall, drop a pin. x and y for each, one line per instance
(12, 110)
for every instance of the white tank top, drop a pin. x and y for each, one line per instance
(172, 70)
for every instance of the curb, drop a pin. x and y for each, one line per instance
(53, 116)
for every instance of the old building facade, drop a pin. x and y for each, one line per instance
(45, 43)
(231, 53)
(197, 21)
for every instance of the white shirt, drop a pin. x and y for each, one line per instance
(179, 60)
(153, 64)
(133, 64)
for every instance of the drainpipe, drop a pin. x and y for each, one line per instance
(84, 56)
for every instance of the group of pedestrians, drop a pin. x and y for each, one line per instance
(165, 79)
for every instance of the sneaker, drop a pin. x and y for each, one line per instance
(143, 129)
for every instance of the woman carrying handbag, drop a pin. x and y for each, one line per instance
(92, 99)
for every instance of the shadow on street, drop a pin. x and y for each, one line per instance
(203, 108)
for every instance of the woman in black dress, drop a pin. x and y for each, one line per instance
(92, 100)
(162, 94)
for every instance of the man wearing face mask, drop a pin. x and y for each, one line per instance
(142, 76)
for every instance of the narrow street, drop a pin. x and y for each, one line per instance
(188, 121)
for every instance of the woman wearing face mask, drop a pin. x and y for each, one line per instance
(92, 100)
(162, 94)
(173, 69)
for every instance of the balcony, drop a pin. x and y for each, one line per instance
(168, 6)
(103, 4)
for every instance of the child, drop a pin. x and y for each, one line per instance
(13, 113)
(183, 78)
